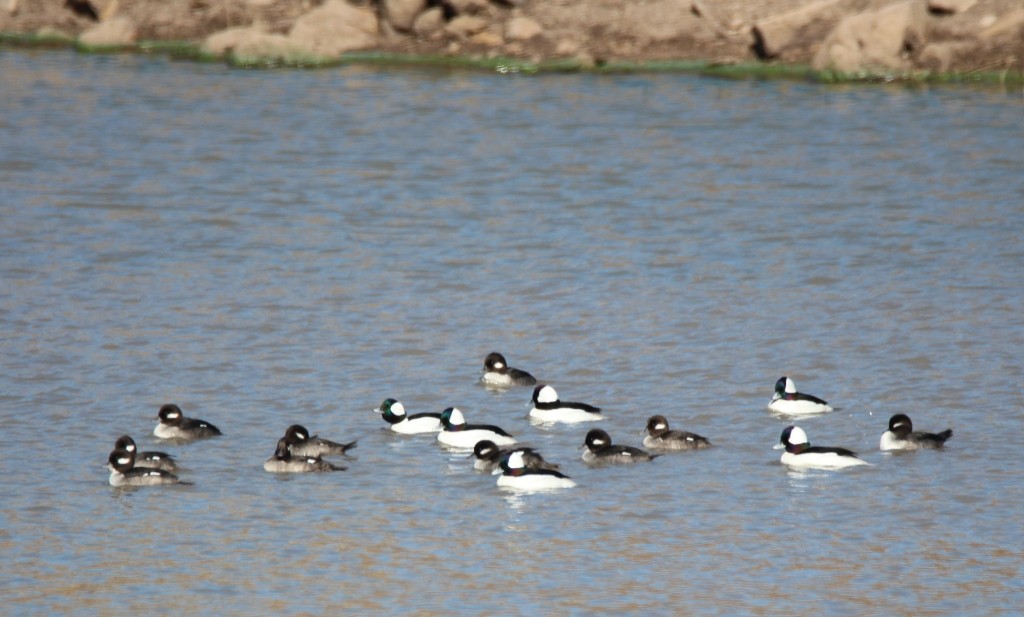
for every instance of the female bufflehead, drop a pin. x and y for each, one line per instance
(123, 471)
(300, 443)
(497, 372)
(283, 461)
(488, 456)
(174, 425)
(659, 437)
(149, 459)
(518, 475)
(800, 453)
(599, 450)
(901, 436)
(394, 414)
(458, 434)
(788, 401)
(547, 408)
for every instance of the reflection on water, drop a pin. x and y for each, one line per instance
(270, 248)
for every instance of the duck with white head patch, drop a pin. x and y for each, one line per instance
(788, 401)
(517, 474)
(398, 421)
(902, 436)
(149, 459)
(284, 461)
(800, 453)
(174, 425)
(458, 434)
(498, 373)
(301, 443)
(600, 451)
(547, 408)
(488, 456)
(123, 471)
(660, 437)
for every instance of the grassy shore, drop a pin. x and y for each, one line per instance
(190, 51)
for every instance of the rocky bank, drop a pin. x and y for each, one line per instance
(879, 37)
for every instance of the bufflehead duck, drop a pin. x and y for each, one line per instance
(901, 436)
(458, 434)
(394, 414)
(497, 372)
(599, 450)
(547, 408)
(800, 453)
(174, 425)
(283, 461)
(660, 437)
(123, 471)
(517, 474)
(300, 443)
(149, 459)
(788, 401)
(488, 456)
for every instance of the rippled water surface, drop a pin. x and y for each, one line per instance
(266, 248)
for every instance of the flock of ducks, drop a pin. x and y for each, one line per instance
(496, 450)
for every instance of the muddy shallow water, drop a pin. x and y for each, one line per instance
(265, 248)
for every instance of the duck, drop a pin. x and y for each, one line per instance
(599, 451)
(123, 471)
(283, 461)
(458, 434)
(517, 474)
(800, 453)
(174, 425)
(547, 408)
(787, 400)
(902, 436)
(150, 459)
(394, 414)
(488, 456)
(660, 437)
(301, 443)
(498, 373)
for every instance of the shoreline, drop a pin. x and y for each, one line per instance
(194, 52)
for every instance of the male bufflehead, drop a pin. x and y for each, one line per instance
(599, 450)
(547, 408)
(300, 443)
(394, 414)
(517, 474)
(788, 401)
(283, 461)
(123, 471)
(173, 425)
(488, 456)
(800, 453)
(497, 372)
(660, 437)
(149, 459)
(902, 436)
(458, 434)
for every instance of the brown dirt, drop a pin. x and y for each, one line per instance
(988, 35)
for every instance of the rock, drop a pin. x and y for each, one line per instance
(402, 14)
(487, 38)
(334, 28)
(879, 40)
(265, 47)
(429, 23)
(941, 56)
(772, 36)
(949, 7)
(1008, 25)
(117, 32)
(522, 29)
(220, 43)
(465, 26)
(467, 7)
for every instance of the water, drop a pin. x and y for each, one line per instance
(265, 248)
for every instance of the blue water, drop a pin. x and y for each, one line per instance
(265, 248)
